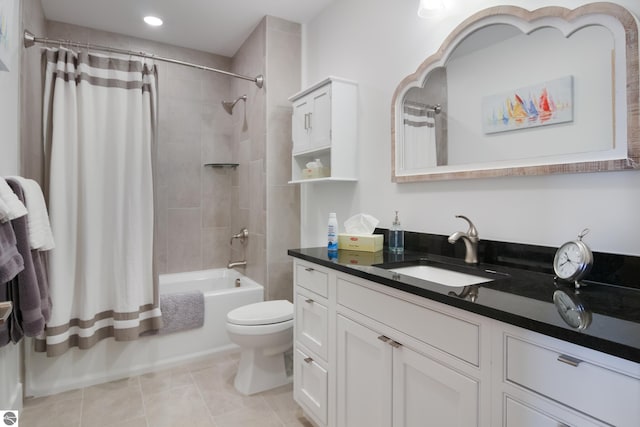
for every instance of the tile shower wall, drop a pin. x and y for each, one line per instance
(262, 199)
(193, 202)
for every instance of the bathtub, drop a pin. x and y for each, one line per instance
(109, 360)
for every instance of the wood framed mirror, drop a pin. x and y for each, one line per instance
(519, 92)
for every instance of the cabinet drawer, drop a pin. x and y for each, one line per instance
(457, 337)
(519, 414)
(311, 324)
(310, 385)
(310, 277)
(605, 394)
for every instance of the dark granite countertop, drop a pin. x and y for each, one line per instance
(521, 293)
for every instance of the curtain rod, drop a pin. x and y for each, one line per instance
(30, 39)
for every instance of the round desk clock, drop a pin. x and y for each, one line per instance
(573, 260)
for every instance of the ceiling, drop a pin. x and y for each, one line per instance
(216, 26)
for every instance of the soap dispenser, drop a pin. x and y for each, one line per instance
(396, 236)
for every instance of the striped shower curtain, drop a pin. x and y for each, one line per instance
(100, 118)
(419, 137)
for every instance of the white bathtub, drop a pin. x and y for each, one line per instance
(109, 360)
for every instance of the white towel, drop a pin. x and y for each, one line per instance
(40, 235)
(11, 207)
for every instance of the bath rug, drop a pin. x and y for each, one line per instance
(181, 311)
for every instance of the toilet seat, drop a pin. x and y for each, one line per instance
(262, 313)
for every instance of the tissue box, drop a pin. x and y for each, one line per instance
(308, 173)
(360, 242)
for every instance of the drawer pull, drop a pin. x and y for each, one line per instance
(308, 359)
(569, 360)
(383, 338)
(308, 301)
(394, 344)
(309, 269)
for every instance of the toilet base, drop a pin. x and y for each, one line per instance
(259, 372)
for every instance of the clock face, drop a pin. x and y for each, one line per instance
(569, 261)
(571, 310)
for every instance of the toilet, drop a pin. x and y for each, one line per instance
(264, 332)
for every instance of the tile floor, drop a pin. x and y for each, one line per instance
(196, 395)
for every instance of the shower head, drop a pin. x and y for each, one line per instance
(228, 105)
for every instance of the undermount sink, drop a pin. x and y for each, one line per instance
(441, 276)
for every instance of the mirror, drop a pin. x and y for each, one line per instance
(518, 92)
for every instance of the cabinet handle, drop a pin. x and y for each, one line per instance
(383, 338)
(310, 126)
(394, 344)
(309, 269)
(569, 360)
(308, 301)
(306, 116)
(308, 359)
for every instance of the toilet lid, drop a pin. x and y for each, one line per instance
(262, 313)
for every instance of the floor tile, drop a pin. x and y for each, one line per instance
(60, 413)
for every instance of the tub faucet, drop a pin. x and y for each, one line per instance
(470, 239)
(237, 264)
(243, 235)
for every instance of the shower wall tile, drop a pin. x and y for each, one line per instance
(257, 197)
(279, 145)
(216, 252)
(184, 237)
(280, 280)
(244, 149)
(283, 222)
(185, 170)
(216, 198)
(284, 44)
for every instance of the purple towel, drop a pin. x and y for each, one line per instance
(11, 262)
(29, 290)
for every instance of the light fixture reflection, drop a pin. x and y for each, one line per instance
(154, 21)
(428, 8)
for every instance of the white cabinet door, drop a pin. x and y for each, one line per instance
(363, 376)
(319, 121)
(311, 122)
(301, 134)
(427, 393)
(310, 385)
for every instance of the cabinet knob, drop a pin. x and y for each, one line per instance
(308, 359)
(308, 300)
(569, 360)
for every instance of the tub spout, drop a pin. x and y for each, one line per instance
(237, 264)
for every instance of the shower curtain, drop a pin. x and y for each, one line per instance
(100, 115)
(419, 137)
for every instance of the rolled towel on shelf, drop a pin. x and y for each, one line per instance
(181, 311)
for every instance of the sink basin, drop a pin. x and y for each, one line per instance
(440, 275)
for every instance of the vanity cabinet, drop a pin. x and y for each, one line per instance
(324, 126)
(372, 355)
(394, 367)
(311, 334)
(542, 381)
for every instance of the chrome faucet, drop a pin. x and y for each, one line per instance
(470, 239)
(237, 264)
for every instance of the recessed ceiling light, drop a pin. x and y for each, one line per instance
(154, 21)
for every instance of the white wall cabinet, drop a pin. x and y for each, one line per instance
(383, 357)
(324, 126)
